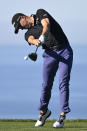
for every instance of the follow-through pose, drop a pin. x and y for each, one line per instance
(45, 31)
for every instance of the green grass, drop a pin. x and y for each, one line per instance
(28, 125)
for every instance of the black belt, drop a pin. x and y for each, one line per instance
(57, 47)
(54, 48)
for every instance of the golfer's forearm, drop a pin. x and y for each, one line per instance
(33, 41)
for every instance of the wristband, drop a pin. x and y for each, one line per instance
(42, 38)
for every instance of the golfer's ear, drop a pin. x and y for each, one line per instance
(22, 16)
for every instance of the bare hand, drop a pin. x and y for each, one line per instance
(36, 42)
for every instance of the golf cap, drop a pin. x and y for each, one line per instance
(16, 21)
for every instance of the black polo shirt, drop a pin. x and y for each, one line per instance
(53, 37)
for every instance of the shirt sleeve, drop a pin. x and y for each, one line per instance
(41, 14)
(34, 31)
(27, 34)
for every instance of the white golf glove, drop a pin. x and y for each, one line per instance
(42, 38)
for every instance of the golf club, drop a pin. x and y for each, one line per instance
(32, 56)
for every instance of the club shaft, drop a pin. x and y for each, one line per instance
(36, 49)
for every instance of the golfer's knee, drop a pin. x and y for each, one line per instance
(47, 85)
(63, 85)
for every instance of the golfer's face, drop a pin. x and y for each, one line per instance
(24, 23)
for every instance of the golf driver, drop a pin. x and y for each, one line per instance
(32, 56)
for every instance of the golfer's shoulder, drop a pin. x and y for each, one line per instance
(43, 13)
(40, 10)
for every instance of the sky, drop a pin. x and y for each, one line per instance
(70, 14)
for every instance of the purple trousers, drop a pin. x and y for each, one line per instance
(60, 60)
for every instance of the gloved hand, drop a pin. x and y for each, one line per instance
(42, 38)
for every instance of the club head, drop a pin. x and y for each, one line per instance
(33, 56)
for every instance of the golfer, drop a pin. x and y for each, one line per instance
(43, 30)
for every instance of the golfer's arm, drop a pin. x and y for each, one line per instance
(32, 40)
(45, 22)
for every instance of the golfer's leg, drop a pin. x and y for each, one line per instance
(50, 67)
(64, 77)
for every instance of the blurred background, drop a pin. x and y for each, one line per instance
(20, 81)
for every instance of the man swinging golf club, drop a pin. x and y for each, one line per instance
(58, 55)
